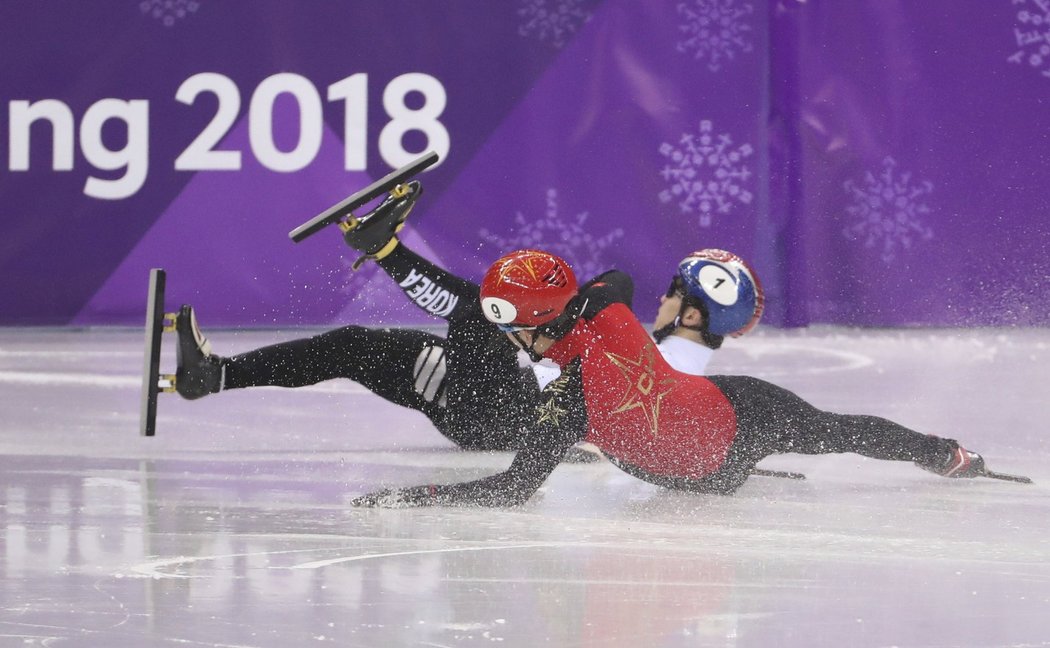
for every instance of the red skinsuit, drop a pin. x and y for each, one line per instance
(641, 411)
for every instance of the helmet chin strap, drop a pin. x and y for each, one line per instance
(664, 331)
(661, 333)
(528, 348)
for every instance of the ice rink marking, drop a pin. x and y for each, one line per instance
(848, 360)
(152, 569)
(335, 561)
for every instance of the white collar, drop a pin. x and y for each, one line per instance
(685, 355)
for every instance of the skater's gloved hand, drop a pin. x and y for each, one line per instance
(397, 498)
(560, 326)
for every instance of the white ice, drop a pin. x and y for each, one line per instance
(231, 526)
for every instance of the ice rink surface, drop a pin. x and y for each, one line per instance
(231, 527)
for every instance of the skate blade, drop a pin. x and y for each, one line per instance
(155, 383)
(157, 322)
(783, 474)
(1020, 479)
(338, 212)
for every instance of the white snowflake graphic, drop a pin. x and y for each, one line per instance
(887, 209)
(553, 21)
(1032, 35)
(707, 172)
(168, 11)
(566, 237)
(715, 30)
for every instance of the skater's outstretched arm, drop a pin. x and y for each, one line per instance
(560, 423)
(515, 486)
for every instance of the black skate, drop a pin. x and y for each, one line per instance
(374, 234)
(198, 372)
(960, 464)
(965, 464)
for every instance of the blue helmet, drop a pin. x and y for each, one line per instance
(726, 286)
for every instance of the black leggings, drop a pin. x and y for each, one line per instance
(468, 383)
(382, 360)
(772, 420)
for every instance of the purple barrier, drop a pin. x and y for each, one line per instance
(916, 147)
(875, 165)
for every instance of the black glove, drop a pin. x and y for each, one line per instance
(560, 326)
(397, 498)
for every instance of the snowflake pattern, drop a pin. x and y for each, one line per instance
(553, 21)
(168, 11)
(568, 238)
(1032, 34)
(887, 209)
(715, 30)
(707, 172)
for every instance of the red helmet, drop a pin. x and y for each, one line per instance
(526, 288)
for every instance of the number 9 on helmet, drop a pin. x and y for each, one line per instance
(526, 288)
(727, 287)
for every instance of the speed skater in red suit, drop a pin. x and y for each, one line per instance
(468, 383)
(666, 427)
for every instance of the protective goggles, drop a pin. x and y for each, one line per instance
(677, 287)
(512, 328)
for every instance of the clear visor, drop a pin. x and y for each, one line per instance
(513, 328)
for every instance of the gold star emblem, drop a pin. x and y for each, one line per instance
(644, 390)
(549, 412)
(525, 265)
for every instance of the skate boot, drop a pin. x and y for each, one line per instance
(375, 233)
(960, 463)
(199, 373)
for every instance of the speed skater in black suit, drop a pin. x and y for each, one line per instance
(470, 383)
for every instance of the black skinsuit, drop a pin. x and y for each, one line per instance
(469, 383)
